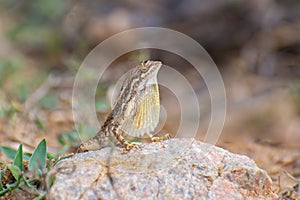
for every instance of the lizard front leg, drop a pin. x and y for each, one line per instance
(119, 136)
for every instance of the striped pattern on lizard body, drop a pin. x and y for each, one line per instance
(135, 111)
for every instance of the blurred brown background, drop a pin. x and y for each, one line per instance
(255, 44)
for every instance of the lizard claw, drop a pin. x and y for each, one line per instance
(167, 136)
(130, 146)
(158, 139)
(155, 139)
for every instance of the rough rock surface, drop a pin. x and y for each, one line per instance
(172, 169)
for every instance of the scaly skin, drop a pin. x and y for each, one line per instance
(138, 83)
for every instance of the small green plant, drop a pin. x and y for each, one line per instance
(70, 140)
(9, 111)
(49, 101)
(28, 170)
(67, 140)
(40, 124)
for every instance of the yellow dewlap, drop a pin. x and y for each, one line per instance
(147, 114)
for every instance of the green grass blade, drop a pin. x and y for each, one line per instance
(38, 158)
(40, 197)
(18, 160)
(3, 192)
(1, 175)
(51, 180)
(9, 152)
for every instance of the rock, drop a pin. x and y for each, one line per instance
(172, 169)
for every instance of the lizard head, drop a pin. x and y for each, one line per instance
(148, 70)
(139, 78)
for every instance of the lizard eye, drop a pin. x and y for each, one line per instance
(144, 62)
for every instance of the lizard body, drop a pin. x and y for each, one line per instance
(135, 111)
